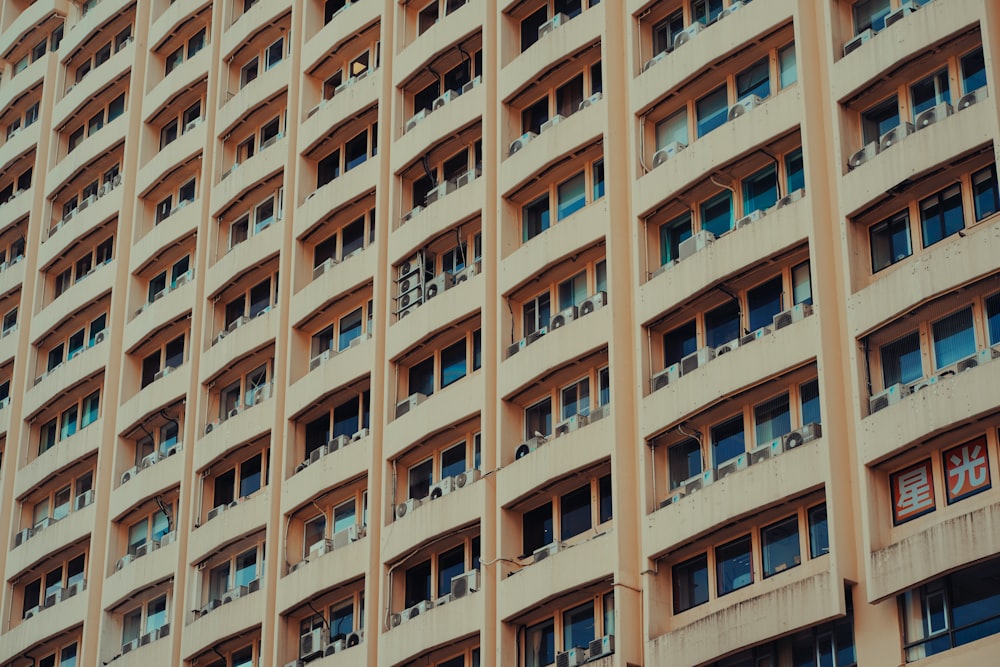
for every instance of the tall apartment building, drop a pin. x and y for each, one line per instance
(499, 332)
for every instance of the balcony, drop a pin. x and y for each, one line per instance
(441, 626)
(93, 147)
(157, 478)
(234, 432)
(154, 396)
(447, 406)
(348, 102)
(71, 529)
(95, 85)
(174, 16)
(436, 315)
(346, 366)
(157, 565)
(238, 616)
(241, 103)
(344, 276)
(439, 125)
(330, 471)
(64, 233)
(311, 579)
(338, 193)
(441, 516)
(86, 441)
(151, 316)
(89, 362)
(32, 16)
(19, 639)
(243, 517)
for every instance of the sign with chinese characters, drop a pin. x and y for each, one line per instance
(966, 469)
(912, 492)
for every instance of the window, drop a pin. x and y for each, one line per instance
(712, 110)
(764, 302)
(575, 513)
(666, 30)
(941, 215)
(572, 196)
(992, 318)
(273, 54)
(575, 398)
(772, 419)
(679, 342)
(421, 377)
(535, 218)
(672, 128)
(727, 441)
(453, 363)
(540, 643)
(538, 419)
(722, 324)
(985, 193)
(706, 11)
(754, 80)
(672, 234)
(787, 68)
(954, 338)
(819, 539)
(529, 34)
(870, 14)
(881, 118)
(760, 190)
(248, 72)
(418, 584)
(801, 284)
(780, 546)
(690, 583)
(578, 626)
(684, 461)
(973, 70)
(890, 241)
(196, 43)
(809, 395)
(901, 360)
(930, 91)
(173, 60)
(717, 213)
(733, 565)
(537, 313)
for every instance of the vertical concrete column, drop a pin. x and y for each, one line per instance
(622, 258)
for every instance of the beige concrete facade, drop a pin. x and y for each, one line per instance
(241, 423)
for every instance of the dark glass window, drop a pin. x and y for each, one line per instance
(690, 583)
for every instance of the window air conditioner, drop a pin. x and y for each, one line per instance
(318, 453)
(347, 536)
(675, 496)
(794, 314)
(726, 348)
(441, 282)
(922, 383)
(53, 598)
(464, 584)
(761, 453)
(410, 402)
(444, 487)
(520, 142)
(668, 375)
(320, 359)
(528, 446)
(593, 99)
(733, 6)
(574, 657)
(448, 96)
(695, 243)
(324, 267)
(807, 433)
(969, 99)
(566, 426)
(699, 481)
(22, 536)
(535, 335)
(696, 360)
(320, 548)
(750, 218)
(87, 201)
(684, 36)
(601, 647)
(130, 646)
(933, 115)
(854, 44)
(897, 15)
(82, 500)
(402, 509)
(168, 538)
(210, 606)
(562, 318)
(894, 136)
(129, 474)
(414, 119)
(468, 86)
(409, 215)
(311, 644)
(360, 434)
(216, 511)
(442, 600)
(516, 347)
(464, 479)
(655, 59)
(337, 443)
(146, 639)
(595, 302)
(542, 553)
(889, 396)
(555, 120)
(989, 354)
(552, 24)
(439, 191)
(734, 465)
(748, 103)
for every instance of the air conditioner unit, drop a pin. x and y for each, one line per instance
(684, 36)
(270, 141)
(800, 436)
(746, 104)
(123, 561)
(989, 354)
(360, 434)
(130, 646)
(442, 600)
(296, 566)
(562, 318)
(552, 24)
(82, 500)
(894, 136)
(338, 442)
(555, 120)
(464, 479)
(216, 511)
(168, 538)
(409, 215)
(193, 124)
(421, 607)
(733, 465)
(42, 524)
(320, 548)
(439, 191)
(675, 495)
(699, 481)
(233, 413)
(414, 119)
(129, 474)
(253, 585)
(87, 201)
(726, 348)
(527, 447)
(796, 313)
(100, 336)
(311, 644)
(541, 553)
(210, 427)
(733, 6)
(355, 638)
(890, 396)
(971, 98)
(595, 302)
(695, 243)
(395, 620)
(520, 142)
(324, 267)
(535, 335)
(855, 44)
(402, 509)
(407, 404)
(468, 272)
(516, 347)
(603, 646)
(440, 283)
(469, 85)
(146, 639)
(593, 99)
(696, 360)
(574, 657)
(790, 198)
(655, 59)
(671, 373)
(345, 85)
(760, 453)
(750, 218)
(566, 426)
(53, 598)
(445, 98)
(864, 155)
(464, 584)
(933, 115)
(31, 612)
(320, 359)
(667, 152)
(318, 453)
(444, 487)
(22, 536)
(347, 536)
(148, 460)
(897, 15)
